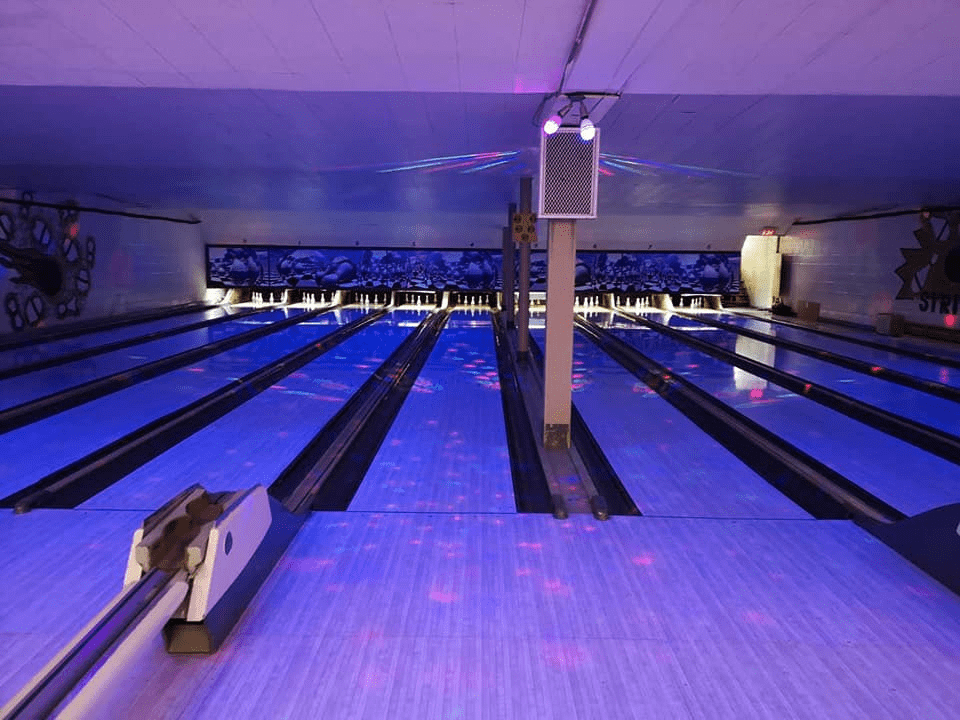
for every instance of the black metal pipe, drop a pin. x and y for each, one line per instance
(100, 211)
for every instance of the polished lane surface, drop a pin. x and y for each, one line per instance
(514, 616)
(913, 404)
(72, 561)
(447, 448)
(922, 369)
(254, 443)
(30, 453)
(667, 464)
(437, 616)
(16, 357)
(898, 473)
(910, 343)
(24, 388)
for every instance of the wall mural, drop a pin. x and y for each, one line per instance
(48, 264)
(931, 273)
(648, 272)
(275, 267)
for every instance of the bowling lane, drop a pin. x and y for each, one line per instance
(913, 404)
(668, 465)
(898, 473)
(60, 567)
(421, 616)
(912, 366)
(909, 343)
(31, 386)
(16, 357)
(447, 448)
(255, 442)
(36, 450)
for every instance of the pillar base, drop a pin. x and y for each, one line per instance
(556, 437)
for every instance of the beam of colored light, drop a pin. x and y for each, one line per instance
(626, 168)
(486, 167)
(412, 166)
(448, 162)
(452, 166)
(691, 169)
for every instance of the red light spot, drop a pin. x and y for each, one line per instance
(556, 587)
(756, 393)
(876, 368)
(73, 230)
(565, 655)
(643, 560)
(949, 320)
(756, 617)
(806, 388)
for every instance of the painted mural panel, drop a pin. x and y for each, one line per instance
(327, 268)
(330, 268)
(402, 269)
(237, 266)
(647, 272)
(46, 264)
(930, 272)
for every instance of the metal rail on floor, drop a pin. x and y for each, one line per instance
(886, 347)
(50, 334)
(120, 344)
(327, 472)
(531, 490)
(928, 386)
(609, 496)
(818, 489)
(84, 478)
(34, 410)
(925, 437)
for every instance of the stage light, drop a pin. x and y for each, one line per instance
(587, 129)
(552, 124)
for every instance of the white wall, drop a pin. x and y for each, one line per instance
(663, 233)
(849, 268)
(144, 264)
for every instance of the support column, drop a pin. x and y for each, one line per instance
(523, 311)
(509, 279)
(558, 355)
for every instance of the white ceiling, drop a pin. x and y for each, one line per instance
(732, 104)
(883, 47)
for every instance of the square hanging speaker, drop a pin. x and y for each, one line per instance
(569, 168)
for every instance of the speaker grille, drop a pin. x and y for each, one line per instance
(568, 175)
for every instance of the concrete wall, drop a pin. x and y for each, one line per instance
(850, 269)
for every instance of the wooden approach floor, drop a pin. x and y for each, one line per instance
(404, 615)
